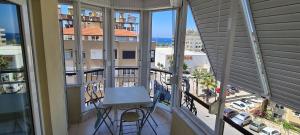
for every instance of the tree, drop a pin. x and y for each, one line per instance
(160, 66)
(206, 79)
(185, 66)
(3, 62)
(170, 60)
(287, 126)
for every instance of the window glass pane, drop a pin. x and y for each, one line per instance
(126, 44)
(92, 45)
(162, 51)
(15, 108)
(65, 15)
(199, 81)
(128, 55)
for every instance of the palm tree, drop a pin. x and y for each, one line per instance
(197, 74)
(206, 79)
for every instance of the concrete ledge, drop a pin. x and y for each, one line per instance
(185, 123)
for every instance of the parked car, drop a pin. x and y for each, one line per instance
(269, 131)
(248, 103)
(257, 126)
(229, 90)
(257, 100)
(230, 113)
(242, 119)
(239, 106)
(235, 89)
(232, 90)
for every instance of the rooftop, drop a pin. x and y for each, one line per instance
(97, 31)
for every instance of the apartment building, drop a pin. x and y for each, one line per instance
(126, 43)
(2, 37)
(284, 113)
(193, 40)
(126, 48)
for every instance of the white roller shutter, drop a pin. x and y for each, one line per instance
(277, 23)
(212, 29)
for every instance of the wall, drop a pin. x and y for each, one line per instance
(90, 64)
(182, 125)
(49, 65)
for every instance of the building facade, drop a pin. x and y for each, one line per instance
(193, 41)
(2, 37)
(192, 59)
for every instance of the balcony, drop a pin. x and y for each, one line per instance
(86, 127)
(58, 52)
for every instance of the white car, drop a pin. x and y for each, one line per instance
(257, 100)
(269, 131)
(242, 119)
(239, 106)
(248, 103)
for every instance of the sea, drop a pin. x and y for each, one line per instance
(163, 41)
(14, 38)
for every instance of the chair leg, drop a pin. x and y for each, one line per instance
(152, 127)
(108, 128)
(121, 127)
(107, 113)
(154, 120)
(103, 121)
(98, 127)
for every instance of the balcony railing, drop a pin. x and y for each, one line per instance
(190, 100)
(12, 81)
(160, 81)
(125, 77)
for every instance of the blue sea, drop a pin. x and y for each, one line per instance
(13, 37)
(163, 41)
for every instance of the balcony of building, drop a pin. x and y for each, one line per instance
(57, 53)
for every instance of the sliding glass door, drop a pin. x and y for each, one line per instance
(15, 88)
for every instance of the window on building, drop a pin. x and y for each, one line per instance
(116, 54)
(128, 72)
(68, 54)
(152, 56)
(83, 54)
(128, 55)
(96, 54)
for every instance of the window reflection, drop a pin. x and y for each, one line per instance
(15, 109)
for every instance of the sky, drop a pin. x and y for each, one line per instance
(10, 23)
(162, 23)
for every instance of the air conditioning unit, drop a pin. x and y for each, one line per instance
(175, 3)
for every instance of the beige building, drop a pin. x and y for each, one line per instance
(126, 54)
(193, 41)
(126, 39)
(285, 113)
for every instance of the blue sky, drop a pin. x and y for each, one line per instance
(162, 23)
(10, 23)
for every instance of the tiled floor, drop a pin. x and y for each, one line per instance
(87, 127)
